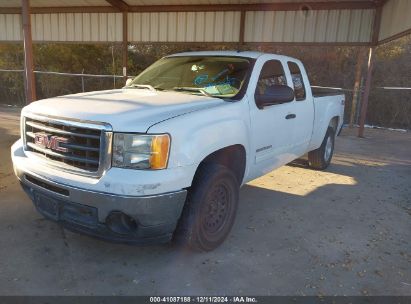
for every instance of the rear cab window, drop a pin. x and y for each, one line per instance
(298, 81)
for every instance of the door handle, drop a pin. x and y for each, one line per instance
(290, 116)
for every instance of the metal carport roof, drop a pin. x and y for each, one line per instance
(355, 22)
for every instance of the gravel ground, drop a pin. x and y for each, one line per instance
(345, 231)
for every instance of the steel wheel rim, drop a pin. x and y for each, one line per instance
(217, 210)
(328, 148)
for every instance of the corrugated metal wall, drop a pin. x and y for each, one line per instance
(65, 27)
(396, 18)
(315, 26)
(10, 27)
(184, 27)
(99, 27)
(260, 26)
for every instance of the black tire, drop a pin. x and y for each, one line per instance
(320, 158)
(210, 208)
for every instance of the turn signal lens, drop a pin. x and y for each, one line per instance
(160, 147)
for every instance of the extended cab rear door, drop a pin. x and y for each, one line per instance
(302, 107)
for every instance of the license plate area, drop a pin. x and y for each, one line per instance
(60, 210)
(47, 206)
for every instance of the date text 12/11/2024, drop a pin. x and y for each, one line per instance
(205, 299)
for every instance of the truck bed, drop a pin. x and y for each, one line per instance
(320, 92)
(326, 106)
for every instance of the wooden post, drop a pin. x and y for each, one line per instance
(367, 88)
(357, 112)
(125, 45)
(242, 27)
(356, 93)
(29, 80)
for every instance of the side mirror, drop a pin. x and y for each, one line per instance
(128, 81)
(274, 94)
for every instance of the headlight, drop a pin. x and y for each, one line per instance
(139, 151)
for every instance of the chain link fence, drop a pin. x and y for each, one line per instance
(50, 84)
(388, 106)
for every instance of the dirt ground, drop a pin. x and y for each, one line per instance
(345, 231)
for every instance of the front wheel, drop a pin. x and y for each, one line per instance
(210, 208)
(320, 158)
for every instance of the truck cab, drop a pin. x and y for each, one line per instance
(164, 157)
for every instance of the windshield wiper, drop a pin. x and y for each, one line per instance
(191, 89)
(160, 89)
(141, 86)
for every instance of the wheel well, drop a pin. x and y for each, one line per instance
(232, 157)
(334, 123)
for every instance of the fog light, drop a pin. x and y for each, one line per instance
(121, 223)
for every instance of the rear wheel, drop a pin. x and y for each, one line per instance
(321, 158)
(210, 208)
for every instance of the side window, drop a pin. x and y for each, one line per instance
(271, 74)
(298, 82)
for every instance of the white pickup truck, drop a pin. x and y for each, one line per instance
(164, 157)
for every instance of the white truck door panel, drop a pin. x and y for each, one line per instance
(270, 129)
(303, 108)
(271, 132)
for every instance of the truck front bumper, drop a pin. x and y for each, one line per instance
(110, 216)
(138, 220)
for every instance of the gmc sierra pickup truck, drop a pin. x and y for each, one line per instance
(164, 157)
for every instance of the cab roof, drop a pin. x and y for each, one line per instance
(247, 54)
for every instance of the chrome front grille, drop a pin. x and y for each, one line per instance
(76, 146)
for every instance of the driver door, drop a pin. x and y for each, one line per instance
(271, 126)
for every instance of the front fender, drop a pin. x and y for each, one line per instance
(208, 139)
(196, 135)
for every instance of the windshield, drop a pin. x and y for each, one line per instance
(213, 76)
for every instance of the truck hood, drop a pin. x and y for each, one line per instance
(126, 110)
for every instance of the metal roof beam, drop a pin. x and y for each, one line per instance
(118, 5)
(376, 25)
(68, 9)
(294, 6)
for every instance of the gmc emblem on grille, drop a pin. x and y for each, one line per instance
(50, 141)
